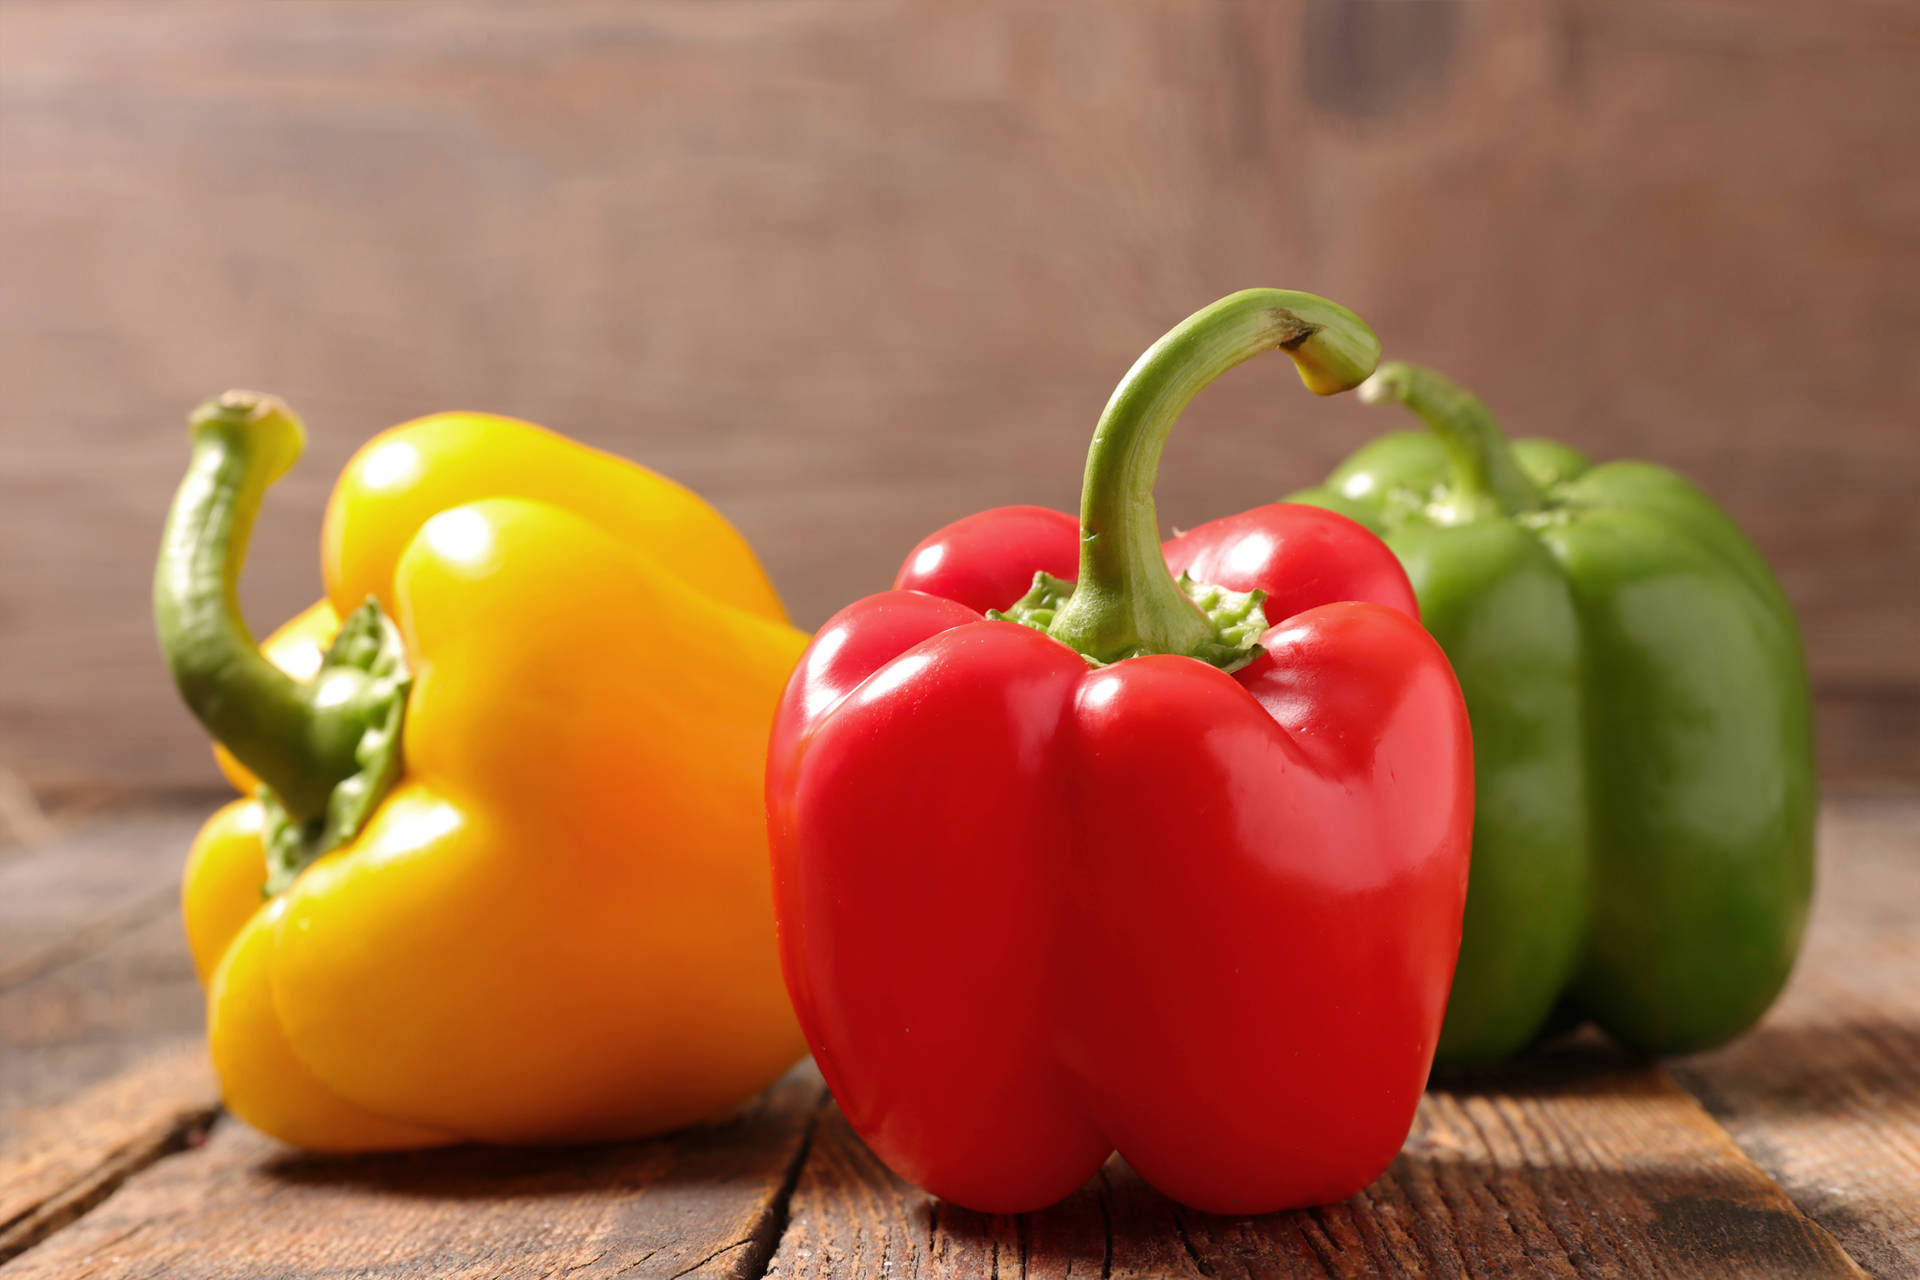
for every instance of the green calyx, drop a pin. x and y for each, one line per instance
(1237, 618)
(326, 751)
(1487, 477)
(1125, 602)
(368, 660)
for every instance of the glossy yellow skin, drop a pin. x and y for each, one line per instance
(558, 925)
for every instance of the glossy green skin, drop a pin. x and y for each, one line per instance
(1643, 839)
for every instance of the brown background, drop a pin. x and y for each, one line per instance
(855, 269)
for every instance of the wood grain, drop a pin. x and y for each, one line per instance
(103, 1074)
(102, 1070)
(1825, 1095)
(1803, 1161)
(1580, 1163)
(65, 895)
(93, 992)
(857, 269)
(705, 1203)
(59, 1161)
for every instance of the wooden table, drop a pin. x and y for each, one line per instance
(1795, 1152)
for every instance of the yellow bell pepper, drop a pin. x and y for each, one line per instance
(505, 874)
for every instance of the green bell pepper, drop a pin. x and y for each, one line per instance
(1643, 840)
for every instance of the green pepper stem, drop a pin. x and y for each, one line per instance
(1483, 463)
(298, 739)
(1126, 602)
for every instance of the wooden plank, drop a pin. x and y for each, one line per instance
(94, 970)
(1825, 1094)
(1576, 1163)
(101, 1065)
(854, 270)
(74, 1026)
(705, 1203)
(1580, 1163)
(68, 893)
(58, 1162)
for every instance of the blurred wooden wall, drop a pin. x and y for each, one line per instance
(854, 269)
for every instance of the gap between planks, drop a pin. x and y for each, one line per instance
(72, 1157)
(105, 1075)
(709, 1201)
(1825, 1094)
(101, 1066)
(1578, 1163)
(1584, 1164)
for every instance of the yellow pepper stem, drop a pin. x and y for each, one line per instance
(327, 750)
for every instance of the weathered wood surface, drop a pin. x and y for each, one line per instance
(1795, 1152)
(60, 899)
(102, 1074)
(856, 269)
(708, 1203)
(1578, 1164)
(1825, 1095)
(101, 1066)
(62, 1160)
(92, 966)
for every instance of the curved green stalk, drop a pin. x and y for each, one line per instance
(1484, 468)
(326, 751)
(1125, 602)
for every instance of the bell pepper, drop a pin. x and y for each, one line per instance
(1643, 852)
(1124, 866)
(504, 877)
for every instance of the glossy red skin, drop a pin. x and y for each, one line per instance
(1300, 555)
(987, 560)
(1032, 911)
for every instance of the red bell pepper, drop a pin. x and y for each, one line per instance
(1144, 872)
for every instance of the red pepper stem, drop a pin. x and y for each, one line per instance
(1126, 603)
(1483, 464)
